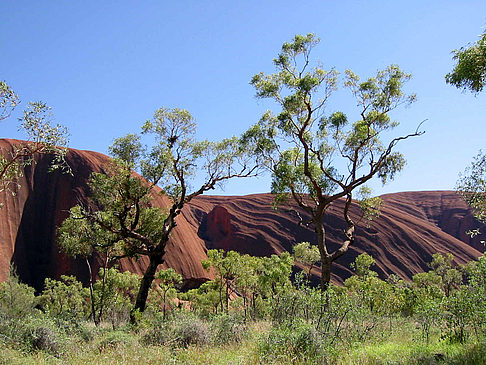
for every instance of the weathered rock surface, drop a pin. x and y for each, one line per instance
(31, 214)
(412, 227)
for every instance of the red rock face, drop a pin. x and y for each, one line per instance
(412, 227)
(30, 217)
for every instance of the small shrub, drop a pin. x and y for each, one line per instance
(227, 329)
(299, 341)
(45, 339)
(190, 330)
(160, 333)
(39, 333)
(116, 338)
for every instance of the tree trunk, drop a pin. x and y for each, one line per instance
(146, 283)
(91, 294)
(325, 257)
(325, 273)
(103, 288)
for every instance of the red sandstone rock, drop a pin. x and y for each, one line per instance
(412, 227)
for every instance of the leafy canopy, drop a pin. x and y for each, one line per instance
(470, 69)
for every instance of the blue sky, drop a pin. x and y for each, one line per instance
(106, 66)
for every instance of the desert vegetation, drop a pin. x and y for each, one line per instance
(254, 311)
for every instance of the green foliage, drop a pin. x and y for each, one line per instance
(206, 299)
(300, 342)
(307, 254)
(370, 206)
(227, 329)
(42, 135)
(367, 320)
(165, 287)
(317, 158)
(8, 100)
(378, 296)
(472, 187)
(16, 299)
(118, 293)
(190, 330)
(65, 298)
(116, 339)
(470, 69)
(362, 265)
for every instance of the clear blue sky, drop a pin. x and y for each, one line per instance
(106, 66)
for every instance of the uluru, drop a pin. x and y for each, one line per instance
(411, 228)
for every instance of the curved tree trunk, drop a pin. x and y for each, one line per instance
(145, 284)
(325, 273)
(326, 260)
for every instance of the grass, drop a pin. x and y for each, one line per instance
(403, 346)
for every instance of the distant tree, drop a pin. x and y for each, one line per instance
(470, 74)
(43, 137)
(165, 286)
(316, 158)
(121, 201)
(227, 266)
(307, 254)
(471, 186)
(119, 290)
(470, 69)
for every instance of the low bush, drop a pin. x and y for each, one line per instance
(227, 329)
(299, 341)
(117, 338)
(190, 330)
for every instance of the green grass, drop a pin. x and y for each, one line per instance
(402, 346)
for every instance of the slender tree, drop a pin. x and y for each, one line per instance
(42, 135)
(122, 201)
(316, 158)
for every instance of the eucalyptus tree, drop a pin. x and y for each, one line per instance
(469, 73)
(470, 69)
(317, 158)
(167, 282)
(122, 202)
(42, 135)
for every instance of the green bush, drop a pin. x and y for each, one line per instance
(16, 299)
(190, 330)
(227, 329)
(159, 333)
(117, 338)
(33, 333)
(300, 342)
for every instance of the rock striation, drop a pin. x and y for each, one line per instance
(412, 227)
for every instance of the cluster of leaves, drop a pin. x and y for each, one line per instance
(469, 72)
(42, 135)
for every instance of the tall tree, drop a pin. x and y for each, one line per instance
(121, 201)
(470, 73)
(42, 135)
(471, 186)
(470, 69)
(317, 158)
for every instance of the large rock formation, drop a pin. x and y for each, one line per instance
(411, 228)
(33, 211)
